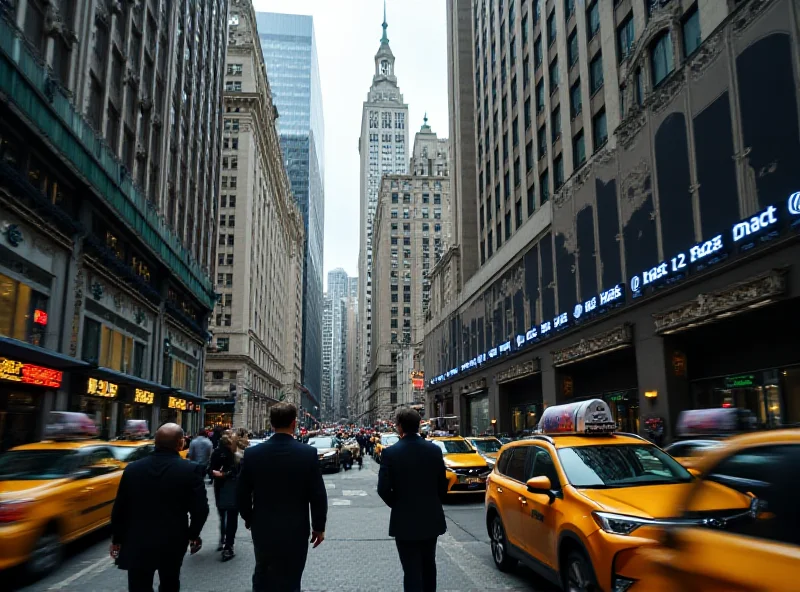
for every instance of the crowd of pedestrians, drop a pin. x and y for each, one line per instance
(278, 490)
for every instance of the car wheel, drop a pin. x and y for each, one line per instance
(500, 547)
(46, 554)
(578, 575)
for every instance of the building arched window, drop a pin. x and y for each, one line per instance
(662, 58)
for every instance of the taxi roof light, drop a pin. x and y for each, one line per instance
(585, 417)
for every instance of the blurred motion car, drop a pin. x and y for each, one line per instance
(386, 439)
(134, 443)
(54, 492)
(327, 452)
(466, 470)
(755, 551)
(700, 431)
(487, 446)
(576, 501)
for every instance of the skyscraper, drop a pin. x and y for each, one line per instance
(338, 290)
(383, 147)
(290, 55)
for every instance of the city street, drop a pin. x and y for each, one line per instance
(356, 555)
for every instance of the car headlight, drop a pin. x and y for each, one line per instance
(329, 454)
(618, 523)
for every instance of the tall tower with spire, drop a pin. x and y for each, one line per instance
(383, 150)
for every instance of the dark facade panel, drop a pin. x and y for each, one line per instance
(531, 265)
(565, 273)
(674, 183)
(716, 167)
(587, 269)
(641, 247)
(768, 105)
(607, 233)
(548, 283)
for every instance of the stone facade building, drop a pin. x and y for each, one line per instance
(383, 150)
(255, 357)
(412, 231)
(109, 159)
(648, 245)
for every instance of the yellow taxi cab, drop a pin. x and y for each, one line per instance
(135, 442)
(699, 431)
(487, 446)
(385, 440)
(51, 493)
(575, 501)
(758, 551)
(466, 470)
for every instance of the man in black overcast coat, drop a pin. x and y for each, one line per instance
(412, 482)
(280, 480)
(150, 522)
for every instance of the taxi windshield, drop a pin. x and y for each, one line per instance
(487, 446)
(629, 465)
(322, 442)
(126, 453)
(389, 440)
(453, 446)
(28, 465)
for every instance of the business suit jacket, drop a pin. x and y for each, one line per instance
(412, 483)
(279, 481)
(157, 496)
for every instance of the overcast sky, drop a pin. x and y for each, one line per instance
(348, 34)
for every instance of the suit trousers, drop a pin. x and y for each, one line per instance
(279, 567)
(419, 564)
(169, 577)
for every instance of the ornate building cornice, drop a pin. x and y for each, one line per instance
(748, 15)
(474, 386)
(617, 338)
(518, 371)
(735, 298)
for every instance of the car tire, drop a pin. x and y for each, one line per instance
(46, 555)
(578, 574)
(499, 545)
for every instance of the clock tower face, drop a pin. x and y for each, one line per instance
(385, 68)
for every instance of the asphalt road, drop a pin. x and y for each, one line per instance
(357, 555)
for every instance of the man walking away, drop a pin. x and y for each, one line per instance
(160, 509)
(200, 450)
(279, 481)
(412, 483)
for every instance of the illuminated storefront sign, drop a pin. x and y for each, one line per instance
(101, 388)
(755, 224)
(176, 403)
(143, 396)
(29, 374)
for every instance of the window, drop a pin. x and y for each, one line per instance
(542, 465)
(544, 186)
(222, 220)
(517, 172)
(551, 28)
(518, 213)
(223, 344)
(524, 30)
(233, 86)
(18, 307)
(499, 235)
(575, 100)
(593, 19)
(554, 75)
(526, 72)
(555, 124)
(514, 91)
(572, 49)
(230, 240)
(222, 238)
(579, 149)
(529, 156)
(540, 97)
(541, 136)
(599, 130)
(508, 225)
(489, 244)
(106, 347)
(527, 113)
(515, 133)
(569, 8)
(531, 201)
(691, 31)
(537, 52)
(558, 172)
(596, 73)
(232, 201)
(234, 69)
(661, 58)
(625, 36)
(516, 467)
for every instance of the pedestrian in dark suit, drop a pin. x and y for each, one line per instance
(413, 484)
(160, 509)
(279, 480)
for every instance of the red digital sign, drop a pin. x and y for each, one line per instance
(29, 374)
(39, 317)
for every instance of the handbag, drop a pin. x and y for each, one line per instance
(227, 493)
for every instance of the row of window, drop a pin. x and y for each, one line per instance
(437, 198)
(437, 213)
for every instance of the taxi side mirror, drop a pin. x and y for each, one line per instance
(541, 485)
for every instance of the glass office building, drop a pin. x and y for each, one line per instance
(290, 54)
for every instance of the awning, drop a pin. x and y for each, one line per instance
(33, 354)
(217, 406)
(126, 379)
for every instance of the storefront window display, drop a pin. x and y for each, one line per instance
(625, 409)
(138, 405)
(111, 349)
(23, 311)
(525, 418)
(479, 421)
(96, 401)
(759, 392)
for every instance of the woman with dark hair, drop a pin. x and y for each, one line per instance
(224, 467)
